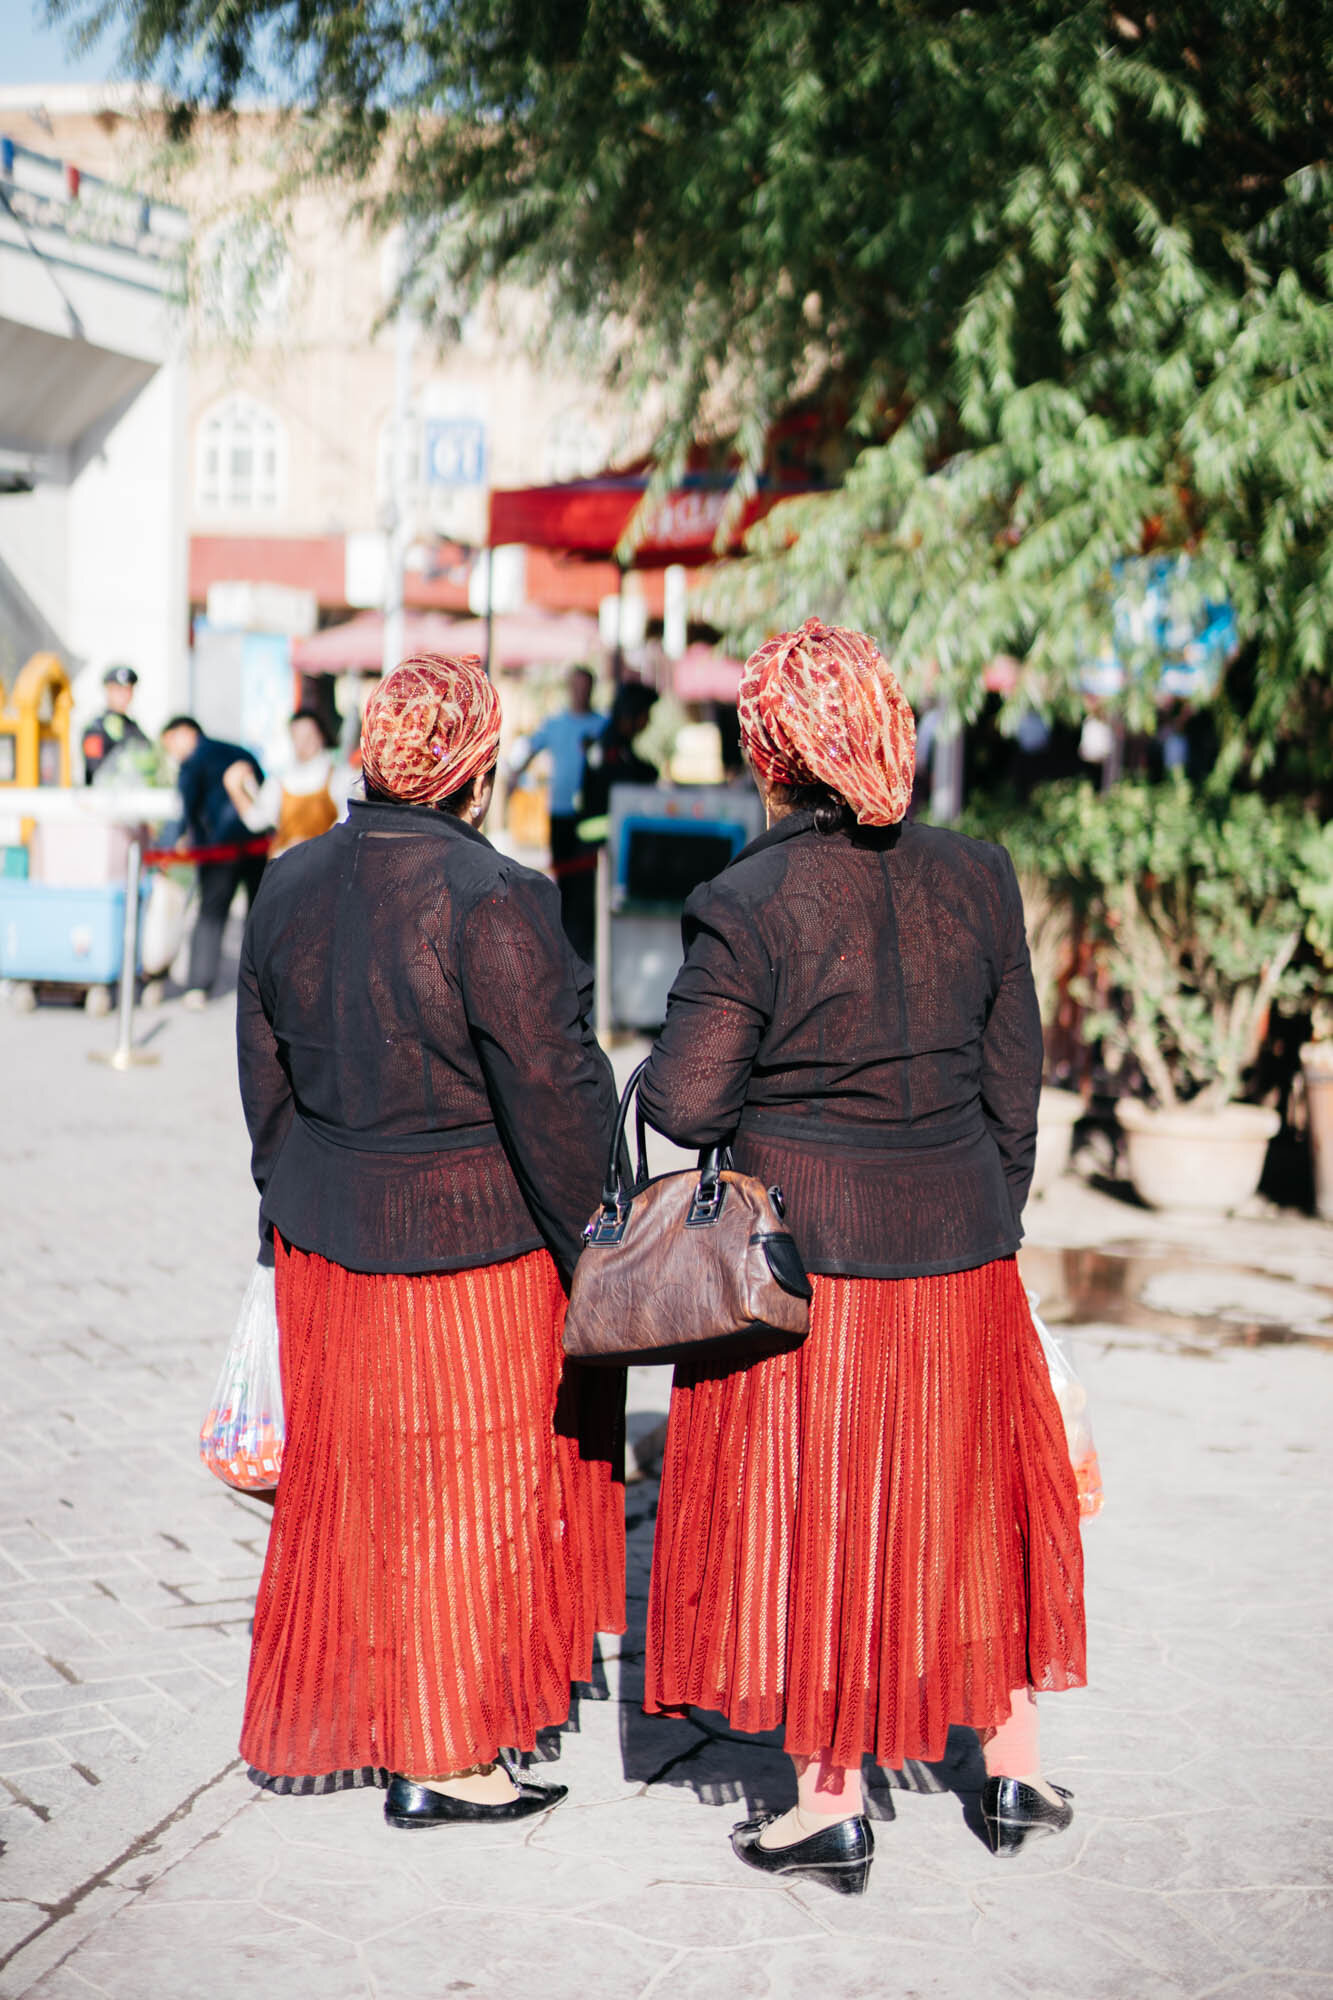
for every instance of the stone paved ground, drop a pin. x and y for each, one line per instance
(138, 1862)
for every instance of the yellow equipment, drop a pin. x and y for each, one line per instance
(35, 728)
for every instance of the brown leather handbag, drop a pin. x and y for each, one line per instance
(686, 1265)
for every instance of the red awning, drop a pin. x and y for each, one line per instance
(590, 516)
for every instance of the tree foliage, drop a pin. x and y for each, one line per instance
(1059, 275)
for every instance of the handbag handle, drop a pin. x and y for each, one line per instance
(616, 1196)
(614, 1192)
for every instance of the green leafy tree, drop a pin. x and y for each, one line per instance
(1059, 278)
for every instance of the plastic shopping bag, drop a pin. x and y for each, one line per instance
(242, 1435)
(163, 927)
(1072, 1397)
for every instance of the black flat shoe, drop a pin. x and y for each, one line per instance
(1012, 1811)
(840, 1855)
(408, 1806)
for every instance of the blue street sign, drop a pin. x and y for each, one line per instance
(455, 451)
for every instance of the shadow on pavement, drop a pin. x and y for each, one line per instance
(699, 1751)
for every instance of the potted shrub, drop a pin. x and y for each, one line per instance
(1191, 901)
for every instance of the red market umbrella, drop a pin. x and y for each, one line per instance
(533, 638)
(519, 639)
(703, 674)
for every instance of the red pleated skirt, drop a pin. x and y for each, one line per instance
(875, 1535)
(448, 1533)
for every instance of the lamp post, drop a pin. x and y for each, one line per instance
(400, 485)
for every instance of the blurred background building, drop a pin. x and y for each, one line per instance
(231, 442)
(94, 388)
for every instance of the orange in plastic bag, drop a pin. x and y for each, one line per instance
(242, 1436)
(1091, 1498)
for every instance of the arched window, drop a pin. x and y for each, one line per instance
(241, 459)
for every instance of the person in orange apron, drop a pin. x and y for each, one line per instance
(310, 795)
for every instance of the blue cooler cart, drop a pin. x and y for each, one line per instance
(662, 841)
(71, 939)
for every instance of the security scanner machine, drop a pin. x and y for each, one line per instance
(662, 840)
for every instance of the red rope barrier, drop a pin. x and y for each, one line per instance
(578, 865)
(235, 850)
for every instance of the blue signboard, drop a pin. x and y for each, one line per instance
(455, 451)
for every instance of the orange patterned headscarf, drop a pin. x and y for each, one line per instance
(822, 707)
(430, 726)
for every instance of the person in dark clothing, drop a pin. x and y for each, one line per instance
(429, 1113)
(211, 779)
(565, 738)
(611, 758)
(877, 1535)
(115, 728)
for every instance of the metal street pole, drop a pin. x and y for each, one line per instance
(1113, 763)
(404, 342)
(490, 611)
(125, 1055)
(946, 770)
(618, 656)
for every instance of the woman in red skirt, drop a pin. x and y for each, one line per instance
(875, 1535)
(429, 1112)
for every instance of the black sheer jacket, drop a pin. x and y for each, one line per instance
(858, 1009)
(420, 1079)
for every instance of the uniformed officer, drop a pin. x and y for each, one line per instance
(115, 726)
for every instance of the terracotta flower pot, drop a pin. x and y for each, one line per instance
(1057, 1114)
(1317, 1063)
(1202, 1162)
